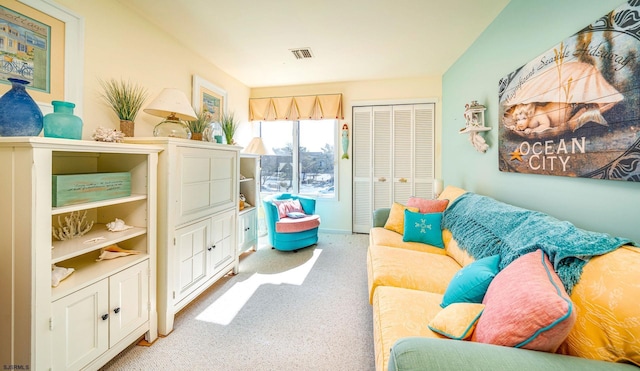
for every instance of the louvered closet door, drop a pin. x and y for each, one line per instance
(403, 147)
(424, 150)
(361, 134)
(382, 157)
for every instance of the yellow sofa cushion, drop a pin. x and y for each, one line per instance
(608, 323)
(385, 237)
(395, 222)
(389, 266)
(399, 313)
(451, 193)
(453, 250)
(457, 321)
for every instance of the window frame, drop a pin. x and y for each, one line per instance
(296, 161)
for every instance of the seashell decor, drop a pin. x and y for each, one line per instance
(118, 225)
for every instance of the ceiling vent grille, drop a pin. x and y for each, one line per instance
(302, 53)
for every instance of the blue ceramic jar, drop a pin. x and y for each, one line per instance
(19, 113)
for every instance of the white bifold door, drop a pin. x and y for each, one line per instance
(393, 157)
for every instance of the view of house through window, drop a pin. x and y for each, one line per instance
(302, 157)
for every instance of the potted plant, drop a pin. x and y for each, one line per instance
(198, 126)
(229, 126)
(125, 99)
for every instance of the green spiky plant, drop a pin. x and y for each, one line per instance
(124, 98)
(229, 126)
(203, 119)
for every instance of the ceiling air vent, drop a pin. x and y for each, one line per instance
(302, 53)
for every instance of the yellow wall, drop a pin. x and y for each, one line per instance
(353, 94)
(118, 43)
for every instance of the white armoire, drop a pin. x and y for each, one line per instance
(393, 157)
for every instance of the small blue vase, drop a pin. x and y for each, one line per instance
(19, 113)
(62, 123)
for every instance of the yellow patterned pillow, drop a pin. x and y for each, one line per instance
(457, 321)
(608, 321)
(395, 222)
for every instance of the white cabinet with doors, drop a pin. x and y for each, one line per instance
(393, 157)
(197, 220)
(248, 216)
(103, 306)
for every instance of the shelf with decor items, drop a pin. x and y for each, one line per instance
(248, 215)
(95, 308)
(197, 219)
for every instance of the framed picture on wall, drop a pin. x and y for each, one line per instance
(208, 97)
(42, 44)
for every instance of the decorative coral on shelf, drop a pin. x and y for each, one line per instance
(102, 134)
(75, 225)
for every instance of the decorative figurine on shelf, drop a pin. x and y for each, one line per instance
(474, 124)
(75, 225)
(345, 141)
(117, 225)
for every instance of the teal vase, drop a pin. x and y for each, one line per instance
(62, 123)
(19, 113)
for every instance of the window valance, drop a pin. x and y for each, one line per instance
(305, 107)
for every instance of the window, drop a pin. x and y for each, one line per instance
(301, 157)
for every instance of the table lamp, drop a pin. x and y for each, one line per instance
(256, 147)
(174, 106)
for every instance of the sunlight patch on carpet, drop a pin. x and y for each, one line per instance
(227, 306)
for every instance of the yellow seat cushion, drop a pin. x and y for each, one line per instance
(453, 250)
(384, 237)
(608, 323)
(399, 313)
(389, 266)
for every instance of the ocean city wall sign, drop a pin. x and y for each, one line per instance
(574, 110)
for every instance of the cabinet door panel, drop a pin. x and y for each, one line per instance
(224, 240)
(192, 243)
(128, 301)
(79, 332)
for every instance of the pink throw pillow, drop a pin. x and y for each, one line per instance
(526, 306)
(287, 206)
(426, 205)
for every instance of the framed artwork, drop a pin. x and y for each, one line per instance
(208, 97)
(42, 43)
(573, 110)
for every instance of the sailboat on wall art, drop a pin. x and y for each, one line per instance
(575, 109)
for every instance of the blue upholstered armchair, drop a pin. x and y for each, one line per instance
(291, 221)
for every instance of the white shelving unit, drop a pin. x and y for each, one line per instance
(248, 217)
(103, 306)
(197, 220)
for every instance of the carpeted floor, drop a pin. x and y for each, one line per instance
(283, 311)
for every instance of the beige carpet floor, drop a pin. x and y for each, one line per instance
(283, 311)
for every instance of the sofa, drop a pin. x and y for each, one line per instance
(462, 299)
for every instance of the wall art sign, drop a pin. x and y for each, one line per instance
(574, 110)
(209, 98)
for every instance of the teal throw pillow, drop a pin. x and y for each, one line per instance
(471, 282)
(425, 228)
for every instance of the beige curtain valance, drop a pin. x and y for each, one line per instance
(305, 107)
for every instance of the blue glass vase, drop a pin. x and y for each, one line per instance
(62, 123)
(19, 113)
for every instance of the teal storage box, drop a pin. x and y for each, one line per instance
(81, 188)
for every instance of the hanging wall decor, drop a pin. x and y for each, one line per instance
(573, 110)
(345, 141)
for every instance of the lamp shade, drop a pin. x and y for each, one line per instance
(256, 147)
(171, 103)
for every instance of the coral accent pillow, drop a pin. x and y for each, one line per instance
(526, 306)
(470, 284)
(425, 228)
(428, 206)
(287, 206)
(395, 221)
(457, 321)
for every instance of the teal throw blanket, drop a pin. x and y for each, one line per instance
(483, 227)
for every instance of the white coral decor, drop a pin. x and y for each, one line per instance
(102, 134)
(75, 225)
